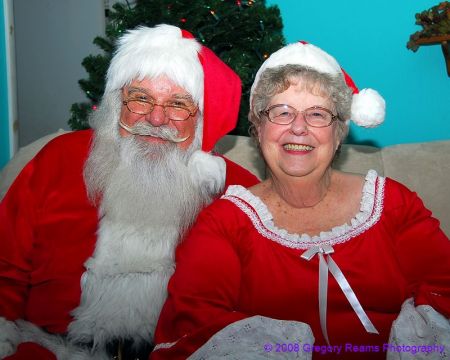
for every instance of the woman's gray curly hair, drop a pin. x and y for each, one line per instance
(278, 79)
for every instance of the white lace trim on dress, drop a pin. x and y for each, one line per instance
(368, 215)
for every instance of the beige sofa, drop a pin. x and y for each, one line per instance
(423, 167)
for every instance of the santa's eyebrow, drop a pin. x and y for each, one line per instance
(187, 97)
(133, 89)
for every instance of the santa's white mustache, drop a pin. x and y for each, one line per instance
(146, 129)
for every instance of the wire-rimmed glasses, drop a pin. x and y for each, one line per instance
(315, 116)
(172, 112)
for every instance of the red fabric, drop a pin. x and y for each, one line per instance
(349, 81)
(186, 34)
(27, 351)
(236, 174)
(222, 96)
(48, 231)
(226, 268)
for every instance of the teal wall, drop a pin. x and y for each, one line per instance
(369, 41)
(4, 129)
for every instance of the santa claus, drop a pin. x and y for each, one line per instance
(89, 227)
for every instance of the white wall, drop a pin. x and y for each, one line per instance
(52, 38)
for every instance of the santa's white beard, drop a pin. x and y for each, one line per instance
(146, 184)
(147, 201)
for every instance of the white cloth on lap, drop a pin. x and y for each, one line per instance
(419, 333)
(258, 337)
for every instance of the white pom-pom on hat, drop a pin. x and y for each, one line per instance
(368, 107)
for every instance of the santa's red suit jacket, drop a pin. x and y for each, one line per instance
(47, 232)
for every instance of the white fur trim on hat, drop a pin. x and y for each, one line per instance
(208, 171)
(299, 54)
(368, 107)
(151, 52)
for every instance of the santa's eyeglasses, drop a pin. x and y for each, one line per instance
(172, 112)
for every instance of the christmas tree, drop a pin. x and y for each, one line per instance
(242, 33)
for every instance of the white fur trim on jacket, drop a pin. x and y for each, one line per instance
(124, 287)
(9, 337)
(208, 171)
(14, 333)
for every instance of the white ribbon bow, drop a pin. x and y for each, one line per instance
(330, 265)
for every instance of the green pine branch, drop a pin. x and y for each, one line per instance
(434, 21)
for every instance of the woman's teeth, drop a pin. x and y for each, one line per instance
(298, 147)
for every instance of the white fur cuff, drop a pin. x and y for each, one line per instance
(9, 337)
(207, 171)
(14, 333)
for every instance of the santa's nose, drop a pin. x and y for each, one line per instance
(157, 116)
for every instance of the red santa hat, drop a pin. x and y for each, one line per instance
(168, 50)
(368, 107)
